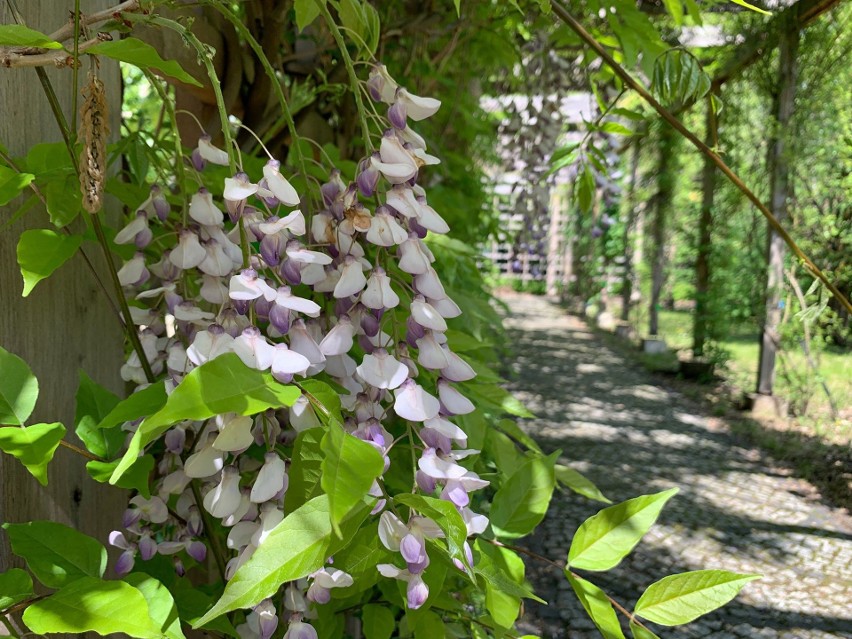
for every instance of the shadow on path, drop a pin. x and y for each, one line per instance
(736, 509)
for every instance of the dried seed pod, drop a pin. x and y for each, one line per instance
(94, 130)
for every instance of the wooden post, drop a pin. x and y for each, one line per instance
(779, 172)
(65, 324)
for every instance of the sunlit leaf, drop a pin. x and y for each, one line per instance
(12, 183)
(604, 539)
(222, 385)
(18, 389)
(295, 548)
(56, 554)
(161, 605)
(678, 599)
(597, 606)
(33, 446)
(521, 502)
(349, 467)
(16, 35)
(15, 585)
(91, 604)
(41, 252)
(142, 55)
(745, 4)
(579, 483)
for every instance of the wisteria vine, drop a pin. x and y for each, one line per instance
(346, 291)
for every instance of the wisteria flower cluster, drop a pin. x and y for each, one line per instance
(345, 290)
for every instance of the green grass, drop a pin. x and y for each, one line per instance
(795, 380)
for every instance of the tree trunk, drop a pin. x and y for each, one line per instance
(632, 230)
(779, 172)
(701, 328)
(666, 170)
(65, 324)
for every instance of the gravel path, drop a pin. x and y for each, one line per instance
(736, 510)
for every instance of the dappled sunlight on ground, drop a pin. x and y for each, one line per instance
(737, 510)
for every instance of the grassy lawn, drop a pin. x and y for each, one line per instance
(795, 379)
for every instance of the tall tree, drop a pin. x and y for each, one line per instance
(633, 233)
(783, 101)
(701, 327)
(666, 178)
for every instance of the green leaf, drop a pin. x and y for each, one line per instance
(222, 385)
(41, 252)
(306, 12)
(597, 606)
(605, 538)
(374, 27)
(33, 446)
(18, 389)
(56, 554)
(295, 548)
(142, 55)
(15, 585)
(585, 189)
(161, 605)
(493, 398)
(503, 606)
(675, 8)
(305, 469)
(348, 470)
(15, 35)
(192, 603)
(94, 402)
(745, 4)
(134, 478)
(353, 18)
(428, 626)
(627, 113)
(641, 632)
(324, 395)
(12, 183)
(144, 402)
(511, 428)
(496, 576)
(62, 196)
(579, 483)
(457, 4)
(616, 128)
(90, 604)
(678, 599)
(377, 622)
(445, 515)
(521, 502)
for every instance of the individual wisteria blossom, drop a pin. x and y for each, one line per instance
(343, 287)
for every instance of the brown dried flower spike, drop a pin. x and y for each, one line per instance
(94, 131)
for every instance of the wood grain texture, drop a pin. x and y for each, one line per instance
(65, 324)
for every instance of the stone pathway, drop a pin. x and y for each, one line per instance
(736, 510)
